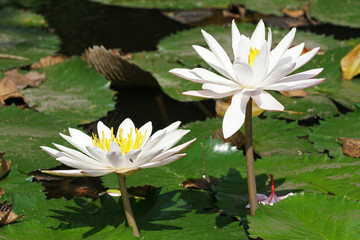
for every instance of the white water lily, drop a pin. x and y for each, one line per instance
(255, 68)
(125, 152)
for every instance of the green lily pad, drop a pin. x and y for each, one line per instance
(73, 92)
(325, 136)
(337, 176)
(23, 40)
(22, 133)
(344, 13)
(16, 17)
(307, 216)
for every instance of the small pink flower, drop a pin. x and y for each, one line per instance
(262, 198)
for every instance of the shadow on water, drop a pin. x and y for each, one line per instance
(81, 24)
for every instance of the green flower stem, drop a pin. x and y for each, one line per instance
(127, 207)
(250, 170)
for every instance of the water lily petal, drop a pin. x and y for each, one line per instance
(80, 137)
(76, 163)
(294, 52)
(186, 74)
(305, 58)
(258, 36)
(78, 144)
(267, 102)
(235, 37)
(235, 115)
(277, 74)
(260, 63)
(97, 153)
(103, 131)
(303, 75)
(78, 155)
(269, 41)
(221, 89)
(52, 152)
(211, 59)
(65, 173)
(243, 50)
(218, 51)
(295, 85)
(146, 130)
(96, 173)
(172, 151)
(207, 94)
(210, 77)
(164, 162)
(244, 73)
(127, 127)
(279, 50)
(115, 159)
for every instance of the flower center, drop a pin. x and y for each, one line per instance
(126, 143)
(252, 55)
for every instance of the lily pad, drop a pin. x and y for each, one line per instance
(22, 133)
(73, 92)
(344, 13)
(334, 218)
(22, 40)
(17, 17)
(325, 136)
(337, 177)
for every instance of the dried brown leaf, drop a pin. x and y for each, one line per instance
(5, 166)
(351, 147)
(48, 61)
(69, 187)
(118, 70)
(14, 57)
(222, 105)
(7, 215)
(294, 93)
(350, 64)
(203, 183)
(30, 79)
(293, 13)
(8, 90)
(1, 192)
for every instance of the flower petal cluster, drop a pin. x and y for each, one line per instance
(125, 152)
(255, 68)
(273, 198)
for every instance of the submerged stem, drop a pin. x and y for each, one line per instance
(127, 207)
(250, 170)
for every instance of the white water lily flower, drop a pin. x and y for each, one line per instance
(124, 153)
(255, 68)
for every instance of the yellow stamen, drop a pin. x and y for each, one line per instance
(252, 55)
(126, 143)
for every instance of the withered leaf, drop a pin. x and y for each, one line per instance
(351, 147)
(14, 57)
(237, 139)
(222, 105)
(293, 13)
(48, 61)
(30, 79)
(8, 90)
(118, 70)
(203, 183)
(1, 192)
(7, 215)
(4, 165)
(235, 11)
(294, 93)
(350, 64)
(69, 187)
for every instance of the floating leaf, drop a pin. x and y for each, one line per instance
(307, 216)
(30, 79)
(325, 136)
(9, 93)
(350, 64)
(351, 147)
(48, 61)
(4, 165)
(118, 70)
